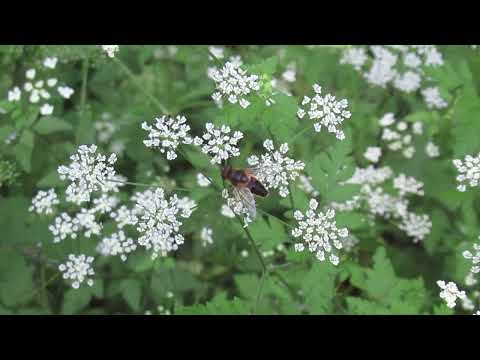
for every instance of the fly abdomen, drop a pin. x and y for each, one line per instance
(257, 188)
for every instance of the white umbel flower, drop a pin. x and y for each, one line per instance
(123, 216)
(407, 185)
(469, 172)
(433, 99)
(355, 57)
(105, 204)
(319, 233)
(416, 226)
(274, 169)
(206, 236)
(78, 269)
(65, 91)
(373, 154)
(326, 111)
(110, 50)
(88, 172)
(474, 258)
(50, 62)
(450, 293)
(46, 109)
(63, 227)
(234, 84)
(14, 94)
(219, 143)
(158, 221)
(167, 133)
(432, 150)
(44, 202)
(86, 222)
(117, 244)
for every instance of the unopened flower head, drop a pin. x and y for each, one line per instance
(117, 244)
(88, 172)
(167, 133)
(319, 233)
(78, 269)
(44, 202)
(274, 169)
(110, 50)
(450, 293)
(326, 111)
(219, 142)
(234, 84)
(469, 172)
(158, 221)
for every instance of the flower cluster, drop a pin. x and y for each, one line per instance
(158, 222)
(78, 269)
(44, 202)
(206, 236)
(474, 258)
(378, 202)
(469, 172)
(433, 99)
(398, 135)
(110, 50)
(450, 293)
(432, 150)
(325, 111)
(319, 233)
(274, 169)
(284, 83)
(373, 154)
(38, 87)
(117, 244)
(219, 142)
(401, 66)
(88, 172)
(234, 84)
(167, 134)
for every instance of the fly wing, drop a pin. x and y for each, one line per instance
(244, 195)
(254, 170)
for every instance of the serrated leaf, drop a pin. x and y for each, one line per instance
(24, 150)
(132, 293)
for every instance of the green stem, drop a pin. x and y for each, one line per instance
(259, 292)
(217, 60)
(148, 185)
(134, 79)
(83, 94)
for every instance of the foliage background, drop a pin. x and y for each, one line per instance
(385, 274)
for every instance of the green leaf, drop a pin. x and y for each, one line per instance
(132, 293)
(75, 300)
(48, 125)
(318, 287)
(16, 285)
(24, 150)
(219, 305)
